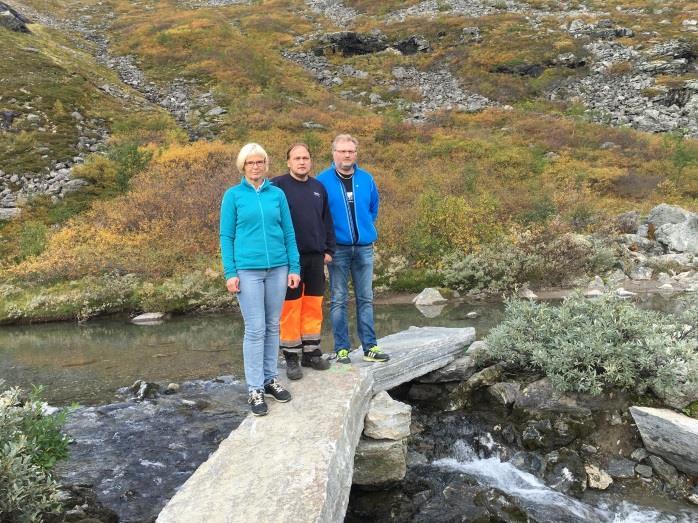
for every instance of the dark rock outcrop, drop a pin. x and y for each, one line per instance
(350, 43)
(12, 20)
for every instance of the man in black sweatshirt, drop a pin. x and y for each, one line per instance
(301, 316)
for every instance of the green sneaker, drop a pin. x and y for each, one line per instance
(343, 356)
(375, 354)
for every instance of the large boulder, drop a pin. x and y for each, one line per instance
(12, 20)
(663, 214)
(670, 435)
(387, 418)
(379, 462)
(429, 296)
(679, 237)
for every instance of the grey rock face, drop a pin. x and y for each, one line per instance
(387, 418)
(459, 370)
(670, 435)
(504, 393)
(379, 462)
(664, 470)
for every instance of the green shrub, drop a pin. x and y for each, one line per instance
(530, 257)
(30, 444)
(589, 345)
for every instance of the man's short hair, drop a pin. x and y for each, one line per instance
(251, 149)
(344, 138)
(293, 146)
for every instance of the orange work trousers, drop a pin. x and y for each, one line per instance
(301, 315)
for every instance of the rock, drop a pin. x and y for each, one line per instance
(528, 462)
(504, 393)
(144, 390)
(663, 214)
(216, 111)
(459, 370)
(681, 237)
(621, 468)
(644, 470)
(670, 435)
(350, 43)
(424, 392)
(593, 293)
(565, 472)
(664, 470)
(539, 398)
(639, 455)
(172, 388)
(387, 418)
(629, 222)
(641, 273)
(74, 185)
(379, 462)
(428, 296)
(12, 20)
(472, 315)
(149, 318)
(693, 496)
(527, 294)
(7, 213)
(413, 44)
(622, 293)
(77, 116)
(597, 478)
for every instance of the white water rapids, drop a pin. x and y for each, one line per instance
(540, 501)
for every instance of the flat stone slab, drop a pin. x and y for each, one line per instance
(296, 464)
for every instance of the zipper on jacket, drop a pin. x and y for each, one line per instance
(350, 223)
(264, 228)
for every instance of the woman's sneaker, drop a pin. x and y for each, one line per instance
(375, 354)
(276, 391)
(257, 404)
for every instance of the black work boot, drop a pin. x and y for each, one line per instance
(315, 360)
(293, 369)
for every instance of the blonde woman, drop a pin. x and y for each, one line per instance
(260, 260)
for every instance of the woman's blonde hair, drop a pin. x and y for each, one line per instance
(251, 149)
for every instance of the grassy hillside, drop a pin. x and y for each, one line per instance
(454, 183)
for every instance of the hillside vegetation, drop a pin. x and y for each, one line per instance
(525, 166)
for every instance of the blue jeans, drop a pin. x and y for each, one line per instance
(357, 261)
(261, 297)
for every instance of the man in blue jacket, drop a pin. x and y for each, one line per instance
(353, 200)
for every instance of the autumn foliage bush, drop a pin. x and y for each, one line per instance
(167, 222)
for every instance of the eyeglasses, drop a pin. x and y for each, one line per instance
(345, 151)
(256, 163)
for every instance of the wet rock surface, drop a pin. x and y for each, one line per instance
(135, 454)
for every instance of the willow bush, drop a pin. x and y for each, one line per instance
(589, 345)
(30, 444)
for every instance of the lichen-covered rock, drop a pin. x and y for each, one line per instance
(597, 478)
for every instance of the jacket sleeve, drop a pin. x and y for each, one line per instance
(228, 224)
(375, 200)
(294, 264)
(330, 240)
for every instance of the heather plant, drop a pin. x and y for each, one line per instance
(590, 345)
(31, 443)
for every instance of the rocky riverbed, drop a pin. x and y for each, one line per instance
(134, 454)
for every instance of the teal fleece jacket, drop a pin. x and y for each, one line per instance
(256, 230)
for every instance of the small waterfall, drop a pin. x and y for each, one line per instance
(541, 502)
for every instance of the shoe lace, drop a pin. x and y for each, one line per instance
(343, 353)
(276, 386)
(375, 350)
(256, 397)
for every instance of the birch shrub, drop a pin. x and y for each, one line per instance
(587, 345)
(30, 444)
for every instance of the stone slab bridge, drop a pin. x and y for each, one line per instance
(296, 464)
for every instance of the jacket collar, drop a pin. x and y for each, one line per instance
(265, 184)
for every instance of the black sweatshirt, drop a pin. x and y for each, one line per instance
(310, 213)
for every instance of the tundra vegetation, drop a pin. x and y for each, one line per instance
(471, 200)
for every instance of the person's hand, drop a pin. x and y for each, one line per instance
(233, 284)
(328, 258)
(293, 280)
